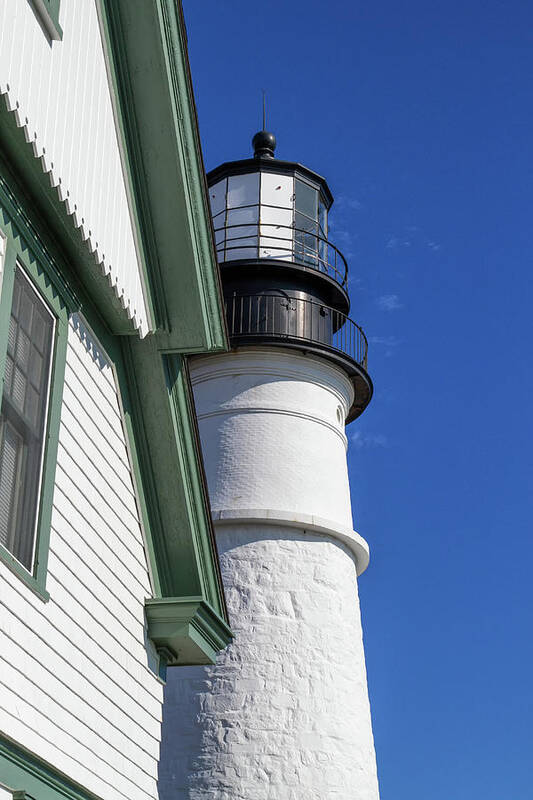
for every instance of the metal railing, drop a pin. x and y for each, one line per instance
(284, 242)
(292, 318)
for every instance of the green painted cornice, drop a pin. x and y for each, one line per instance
(147, 55)
(48, 14)
(186, 630)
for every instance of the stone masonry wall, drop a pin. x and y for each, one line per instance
(284, 714)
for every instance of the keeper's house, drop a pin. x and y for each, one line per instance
(108, 568)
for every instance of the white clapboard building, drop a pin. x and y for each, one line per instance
(108, 568)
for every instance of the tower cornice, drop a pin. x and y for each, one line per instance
(276, 165)
(306, 523)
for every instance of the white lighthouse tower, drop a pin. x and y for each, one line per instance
(284, 712)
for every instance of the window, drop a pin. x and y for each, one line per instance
(23, 418)
(35, 304)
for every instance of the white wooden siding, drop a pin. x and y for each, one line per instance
(77, 688)
(60, 95)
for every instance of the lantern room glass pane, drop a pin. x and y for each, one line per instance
(277, 190)
(306, 199)
(217, 197)
(276, 232)
(249, 215)
(279, 219)
(243, 190)
(323, 233)
(242, 233)
(305, 240)
(322, 219)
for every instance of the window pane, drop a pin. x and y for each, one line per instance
(36, 368)
(10, 457)
(22, 353)
(31, 408)
(243, 190)
(26, 309)
(38, 333)
(12, 336)
(18, 392)
(277, 190)
(217, 197)
(323, 219)
(8, 375)
(304, 223)
(243, 216)
(306, 199)
(22, 419)
(305, 243)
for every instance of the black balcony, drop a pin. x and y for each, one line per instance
(305, 247)
(284, 320)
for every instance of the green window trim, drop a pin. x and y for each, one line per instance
(28, 776)
(37, 269)
(48, 13)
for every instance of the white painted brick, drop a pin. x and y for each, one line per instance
(284, 713)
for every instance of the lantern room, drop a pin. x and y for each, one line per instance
(284, 282)
(265, 208)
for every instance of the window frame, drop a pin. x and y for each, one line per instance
(17, 253)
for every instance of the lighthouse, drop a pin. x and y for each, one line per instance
(283, 714)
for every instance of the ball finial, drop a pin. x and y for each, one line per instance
(264, 144)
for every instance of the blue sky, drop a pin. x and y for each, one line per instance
(420, 116)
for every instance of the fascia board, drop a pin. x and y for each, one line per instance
(148, 50)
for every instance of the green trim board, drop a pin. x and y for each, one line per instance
(185, 426)
(24, 248)
(29, 777)
(147, 55)
(132, 162)
(181, 542)
(48, 14)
